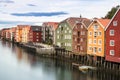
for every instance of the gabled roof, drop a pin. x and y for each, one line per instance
(102, 22)
(22, 26)
(36, 28)
(86, 22)
(73, 20)
(113, 18)
(52, 24)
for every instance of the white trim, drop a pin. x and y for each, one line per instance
(112, 18)
(97, 22)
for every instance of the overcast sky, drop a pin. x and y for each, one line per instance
(13, 12)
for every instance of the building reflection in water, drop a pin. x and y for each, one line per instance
(56, 69)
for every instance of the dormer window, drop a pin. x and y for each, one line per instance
(114, 23)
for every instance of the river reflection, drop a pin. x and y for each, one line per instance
(18, 64)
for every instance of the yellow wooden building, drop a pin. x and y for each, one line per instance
(96, 37)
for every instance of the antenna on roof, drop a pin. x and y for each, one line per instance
(80, 16)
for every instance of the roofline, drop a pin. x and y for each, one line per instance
(81, 23)
(98, 23)
(112, 18)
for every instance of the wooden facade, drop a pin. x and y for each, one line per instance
(35, 34)
(80, 36)
(96, 39)
(113, 39)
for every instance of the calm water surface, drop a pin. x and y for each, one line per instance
(18, 64)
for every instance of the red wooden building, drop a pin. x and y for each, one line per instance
(113, 39)
(35, 34)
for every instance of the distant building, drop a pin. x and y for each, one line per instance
(25, 33)
(35, 34)
(18, 33)
(49, 32)
(5, 33)
(113, 39)
(12, 33)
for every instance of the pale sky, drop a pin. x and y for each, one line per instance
(34, 12)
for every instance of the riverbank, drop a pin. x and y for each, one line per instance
(64, 55)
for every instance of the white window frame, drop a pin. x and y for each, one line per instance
(112, 32)
(114, 23)
(95, 27)
(99, 33)
(99, 49)
(112, 52)
(95, 41)
(100, 40)
(81, 39)
(90, 33)
(58, 37)
(81, 48)
(112, 43)
(81, 26)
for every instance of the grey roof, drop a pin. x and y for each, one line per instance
(36, 28)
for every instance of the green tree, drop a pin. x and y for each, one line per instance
(111, 13)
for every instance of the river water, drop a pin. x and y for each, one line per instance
(18, 64)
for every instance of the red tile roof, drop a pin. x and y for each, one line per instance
(104, 22)
(52, 24)
(73, 20)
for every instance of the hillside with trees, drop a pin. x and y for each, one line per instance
(111, 13)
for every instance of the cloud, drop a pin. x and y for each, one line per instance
(40, 14)
(31, 5)
(6, 1)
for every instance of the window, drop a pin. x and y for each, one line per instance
(114, 23)
(61, 28)
(58, 43)
(67, 28)
(37, 36)
(78, 40)
(95, 34)
(69, 36)
(75, 47)
(81, 39)
(111, 32)
(74, 33)
(58, 37)
(37, 33)
(112, 42)
(78, 33)
(100, 33)
(81, 26)
(65, 31)
(99, 49)
(83, 33)
(69, 31)
(99, 41)
(37, 39)
(95, 27)
(90, 48)
(95, 49)
(90, 33)
(81, 48)
(90, 41)
(57, 31)
(112, 52)
(94, 41)
(75, 39)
